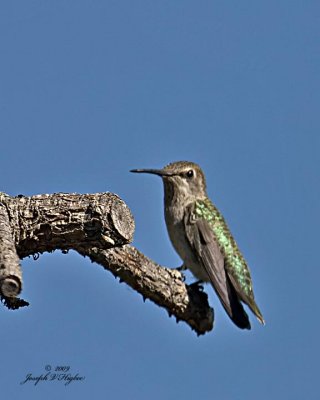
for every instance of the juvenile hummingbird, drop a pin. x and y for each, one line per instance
(203, 240)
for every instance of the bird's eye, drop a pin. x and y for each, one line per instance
(190, 173)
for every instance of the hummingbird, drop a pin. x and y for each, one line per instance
(201, 237)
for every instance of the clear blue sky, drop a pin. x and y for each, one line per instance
(91, 89)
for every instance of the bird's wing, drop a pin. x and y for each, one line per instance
(247, 299)
(202, 239)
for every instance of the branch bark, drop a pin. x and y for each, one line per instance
(10, 271)
(101, 227)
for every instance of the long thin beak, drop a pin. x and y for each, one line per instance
(159, 172)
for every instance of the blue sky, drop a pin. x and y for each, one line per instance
(90, 90)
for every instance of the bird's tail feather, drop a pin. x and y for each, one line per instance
(235, 310)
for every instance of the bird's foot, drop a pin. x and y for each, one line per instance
(197, 284)
(181, 268)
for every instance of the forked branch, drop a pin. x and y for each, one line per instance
(101, 227)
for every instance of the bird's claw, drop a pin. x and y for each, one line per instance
(181, 268)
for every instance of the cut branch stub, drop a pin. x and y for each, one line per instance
(64, 221)
(10, 270)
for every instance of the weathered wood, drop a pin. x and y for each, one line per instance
(62, 221)
(163, 286)
(99, 226)
(10, 271)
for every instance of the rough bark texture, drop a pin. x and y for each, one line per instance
(10, 271)
(161, 285)
(63, 221)
(99, 226)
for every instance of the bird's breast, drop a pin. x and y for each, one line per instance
(176, 230)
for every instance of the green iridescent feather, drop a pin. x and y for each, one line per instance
(235, 264)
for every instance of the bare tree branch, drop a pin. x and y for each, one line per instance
(10, 271)
(163, 286)
(99, 226)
